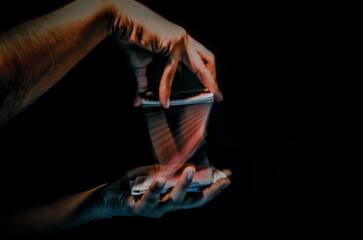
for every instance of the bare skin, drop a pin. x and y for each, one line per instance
(110, 200)
(38, 53)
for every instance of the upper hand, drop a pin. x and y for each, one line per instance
(138, 26)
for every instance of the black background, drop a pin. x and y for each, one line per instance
(84, 131)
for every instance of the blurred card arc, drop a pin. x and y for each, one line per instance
(178, 136)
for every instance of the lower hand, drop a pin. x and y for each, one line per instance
(116, 198)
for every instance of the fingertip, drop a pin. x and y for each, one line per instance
(164, 100)
(190, 167)
(166, 103)
(226, 183)
(227, 172)
(218, 96)
(190, 173)
(130, 202)
(220, 185)
(137, 102)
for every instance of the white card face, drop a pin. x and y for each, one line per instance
(179, 98)
(201, 98)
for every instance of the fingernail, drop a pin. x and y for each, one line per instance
(166, 102)
(190, 174)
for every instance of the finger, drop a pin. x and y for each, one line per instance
(167, 80)
(215, 189)
(176, 196)
(152, 196)
(206, 55)
(207, 194)
(227, 172)
(139, 59)
(193, 60)
(142, 83)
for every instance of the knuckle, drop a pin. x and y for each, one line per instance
(211, 56)
(181, 35)
(175, 202)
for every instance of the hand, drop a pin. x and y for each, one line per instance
(117, 200)
(142, 32)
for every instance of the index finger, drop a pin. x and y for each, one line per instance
(201, 62)
(176, 196)
(152, 196)
(206, 55)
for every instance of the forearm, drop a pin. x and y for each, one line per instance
(57, 216)
(36, 54)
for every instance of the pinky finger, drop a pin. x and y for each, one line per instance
(215, 189)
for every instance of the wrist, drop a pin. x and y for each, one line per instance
(87, 207)
(94, 207)
(119, 10)
(128, 16)
(103, 13)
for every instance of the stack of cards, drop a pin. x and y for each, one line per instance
(202, 179)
